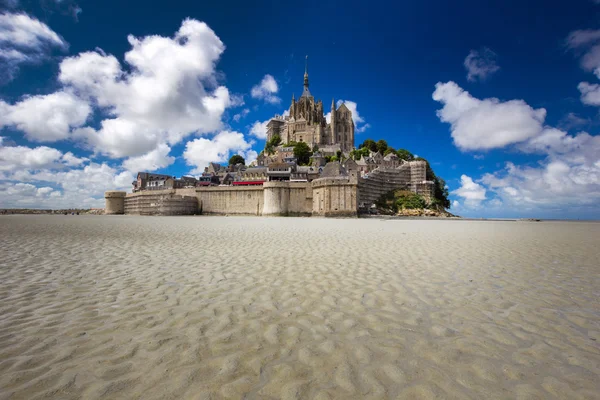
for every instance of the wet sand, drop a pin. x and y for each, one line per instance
(282, 308)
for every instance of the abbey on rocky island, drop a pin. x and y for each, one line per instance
(306, 122)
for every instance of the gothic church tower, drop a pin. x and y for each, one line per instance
(306, 123)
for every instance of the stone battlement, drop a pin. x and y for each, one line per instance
(114, 194)
(114, 202)
(337, 193)
(336, 197)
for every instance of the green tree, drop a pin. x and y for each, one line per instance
(315, 148)
(404, 154)
(395, 200)
(389, 150)
(358, 153)
(369, 144)
(382, 146)
(237, 159)
(275, 140)
(440, 192)
(302, 153)
(271, 144)
(410, 201)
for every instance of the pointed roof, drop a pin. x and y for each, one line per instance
(343, 106)
(306, 92)
(333, 169)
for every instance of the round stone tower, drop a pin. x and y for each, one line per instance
(115, 202)
(276, 198)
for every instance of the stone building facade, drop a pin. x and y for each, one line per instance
(306, 122)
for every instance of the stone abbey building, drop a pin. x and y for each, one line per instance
(278, 186)
(306, 122)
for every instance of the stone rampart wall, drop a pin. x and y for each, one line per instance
(160, 202)
(408, 176)
(425, 190)
(114, 202)
(287, 198)
(381, 181)
(334, 197)
(240, 200)
(301, 198)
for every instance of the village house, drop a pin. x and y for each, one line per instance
(208, 180)
(254, 174)
(151, 181)
(280, 171)
(185, 182)
(305, 174)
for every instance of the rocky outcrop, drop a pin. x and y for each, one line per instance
(425, 212)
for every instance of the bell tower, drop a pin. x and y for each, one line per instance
(333, 137)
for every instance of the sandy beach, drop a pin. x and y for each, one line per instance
(131, 307)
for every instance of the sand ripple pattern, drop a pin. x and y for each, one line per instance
(288, 308)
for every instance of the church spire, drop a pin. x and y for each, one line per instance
(306, 74)
(332, 103)
(306, 92)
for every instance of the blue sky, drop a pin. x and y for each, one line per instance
(93, 91)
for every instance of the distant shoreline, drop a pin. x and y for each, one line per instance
(400, 217)
(95, 211)
(41, 211)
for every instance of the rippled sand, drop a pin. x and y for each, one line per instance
(281, 308)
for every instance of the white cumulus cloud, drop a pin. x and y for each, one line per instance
(164, 90)
(590, 93)
(23, 158)
(471, 192)
(481, 64)
(555, 184)
(259, 129)
(486, 124)
(199, 152)
(168, 91)
(586, 43)
(237, 117)
(24, 39)
(71, 160)
(77, 188)
(266, 90)
(46, 118)
(151, 161)
(14, 158)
